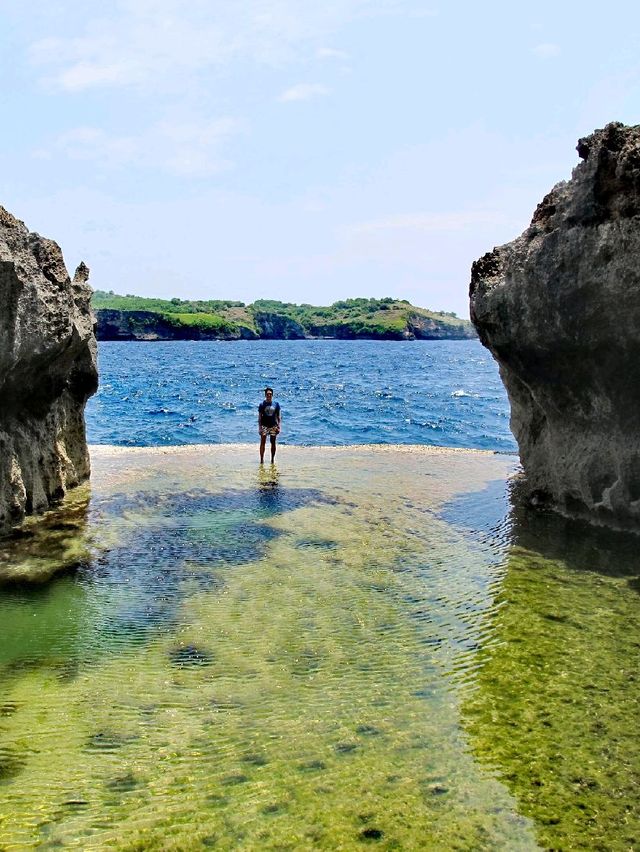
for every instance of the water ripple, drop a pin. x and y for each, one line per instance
(332, 392)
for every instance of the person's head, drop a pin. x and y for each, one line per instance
(268, 394)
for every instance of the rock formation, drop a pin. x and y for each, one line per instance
(273, 326)
(425, 328)
(148, 325)
(47, 372)
(559, 309)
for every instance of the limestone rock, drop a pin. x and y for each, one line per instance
(273, 326)
(149, 325)
(420, 327)
(559, 308)
(47, 372)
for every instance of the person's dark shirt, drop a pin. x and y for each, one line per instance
(269, 412)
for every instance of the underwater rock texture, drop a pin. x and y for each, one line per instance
(47, 371)
(559, 308)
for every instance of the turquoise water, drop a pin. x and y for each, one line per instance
(332, 392)
(356, 647)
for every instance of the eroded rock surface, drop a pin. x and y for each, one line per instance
(559, 308)
(47, 372)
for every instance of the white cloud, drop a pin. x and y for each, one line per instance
(158, 43)
(331, 53)
(187, 149)
(546, 50)
(303, 92)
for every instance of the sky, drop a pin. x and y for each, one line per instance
(301, 151)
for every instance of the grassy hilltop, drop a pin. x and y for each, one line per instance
(138, 317)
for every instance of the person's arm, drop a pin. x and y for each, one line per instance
(279, 419)
(259, 419)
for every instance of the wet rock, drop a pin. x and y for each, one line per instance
(11, 763)
(255, 759)
(187, 656)
(345, 747)
(107, 741)
(47, 372)
(76, 804)
(316, 544)
(225, 704)
(367, 730)
(123, 783)
(306, 663)
(559, 309)
(371, 834)
(437, 789)
(235, 778)
(67, 670)
(275, 808)
(54, 545)
(312, 766)
(216, 800)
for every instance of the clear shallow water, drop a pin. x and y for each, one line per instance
(356, 647)
(332, 392)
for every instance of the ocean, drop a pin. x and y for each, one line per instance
(332, 393)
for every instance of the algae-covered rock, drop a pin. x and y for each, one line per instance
(559, 308)
(47, 372)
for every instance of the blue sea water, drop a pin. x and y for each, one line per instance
(332, 392)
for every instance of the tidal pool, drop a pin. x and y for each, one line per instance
(356, 647)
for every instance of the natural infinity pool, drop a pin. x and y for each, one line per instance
(358, 647)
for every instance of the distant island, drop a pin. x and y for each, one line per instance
(140, 318)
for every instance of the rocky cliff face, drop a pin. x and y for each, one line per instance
(148, 325)
(47, 372)
(272, 326)
(425, 328)
(559, 308)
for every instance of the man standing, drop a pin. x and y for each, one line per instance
(269, 419)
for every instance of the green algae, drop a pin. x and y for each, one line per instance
(45, 546)
(341, 687)
(556, 701)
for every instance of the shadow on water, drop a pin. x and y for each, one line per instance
(49, 545)
(269, 491)
(500, 517)
(158, 549)
(555, 703)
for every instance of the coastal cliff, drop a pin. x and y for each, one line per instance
(559, 309)
(141, 318)
(47, 372)
(149, 325)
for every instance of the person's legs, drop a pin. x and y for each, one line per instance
(263, 443)
(273, 448)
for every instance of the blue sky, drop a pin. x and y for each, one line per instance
(296, 150)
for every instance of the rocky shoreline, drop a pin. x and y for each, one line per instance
(152, 326)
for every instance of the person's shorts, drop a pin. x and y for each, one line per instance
(269, 430)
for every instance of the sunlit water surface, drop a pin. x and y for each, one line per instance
(332, 392)
(356, 647)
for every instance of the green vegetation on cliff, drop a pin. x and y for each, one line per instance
(384, 319)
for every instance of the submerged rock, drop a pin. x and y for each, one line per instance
(187, 656)
(559, 309)
(47, 372)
